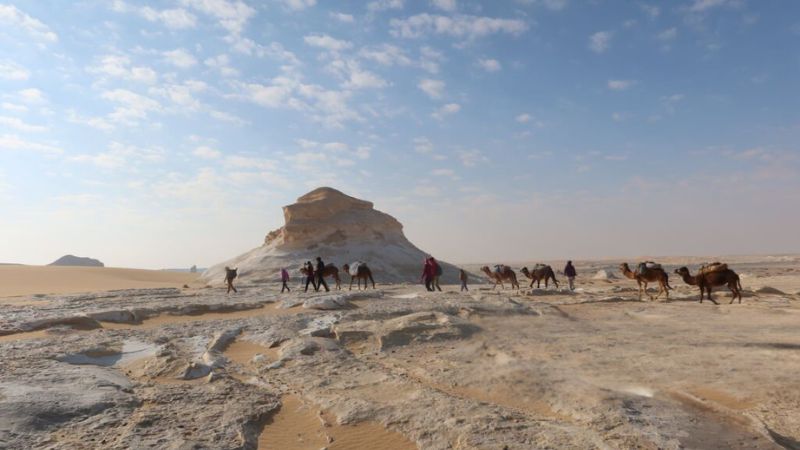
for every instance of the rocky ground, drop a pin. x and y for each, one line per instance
(398, 367)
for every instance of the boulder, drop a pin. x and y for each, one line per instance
(604, 275)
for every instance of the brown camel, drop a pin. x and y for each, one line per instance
(505, 273)
(330, 271)
(648, 275)
(708, 280)
(540, 272)
(362, 273)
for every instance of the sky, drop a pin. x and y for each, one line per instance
(169, 133)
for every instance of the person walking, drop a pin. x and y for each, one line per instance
(310, 276)
(285, 279)
(437, 272)
(462, 275)
(230, 275)
(321, 275)
(426, 274)
(570, 273)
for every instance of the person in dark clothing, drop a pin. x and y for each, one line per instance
(321, 275)
(285, 280)
(230, 275)
(437, 272)
(428, 274)
(310, 276)
(570, 273)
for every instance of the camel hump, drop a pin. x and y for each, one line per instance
(713, 267)
(540, 266)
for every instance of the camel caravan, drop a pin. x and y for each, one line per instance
(708, 277)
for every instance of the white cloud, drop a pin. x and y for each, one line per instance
(12, 142)
(445, 173)
(652, 11)
(327, 42)
(703, 5)
(458, 26)
(471, 158)
(329, 107)
(668, 35)
(227, 117)
(9, 70)
(445, 5)
(433, 88)
(354, 77)
(8, 106)
(600, 41)
(131, 107)
(182, 94)
(297, 5)
(524, 118)
(31, 96)
(119, 66)
(620, 85)
(382, 5)
(231, 15)
(342, 17)
(180, 58)
(423, 145)
(490, 65)
(20, 125)
(429, 59)
(206, 152)
(446, 110)
(363, 152)
(11, 16)
(175, 19)
(386, 55)
(121, 156)
(221, 63)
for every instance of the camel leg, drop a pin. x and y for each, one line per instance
(708, 289)
(351, 282)
(372, 280)
(555, 282)
(531, 286)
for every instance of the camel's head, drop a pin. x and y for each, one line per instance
(682, 271)
(624, 267)
(524, 270)
(346, 267)
(485, 269)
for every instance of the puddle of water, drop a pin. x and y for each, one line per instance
(131, 351)
(297, 426)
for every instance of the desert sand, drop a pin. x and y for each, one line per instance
(399, 367)
(21, 280)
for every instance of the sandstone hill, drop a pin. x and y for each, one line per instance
(341, 229)
(72, 260)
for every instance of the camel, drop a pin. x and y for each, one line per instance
(540, 272)
(363, 273)
(505, 274)
(648, 276)
(708, 280)
(330, 271)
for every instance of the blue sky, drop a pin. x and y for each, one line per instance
(155, 134)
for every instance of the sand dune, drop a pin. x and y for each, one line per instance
(30, 280)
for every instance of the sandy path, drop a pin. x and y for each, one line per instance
(33, 280)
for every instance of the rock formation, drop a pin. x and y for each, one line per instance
(341, 229)
(72, 260)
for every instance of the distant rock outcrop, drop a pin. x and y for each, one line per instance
(341, 229)
(72, 260)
